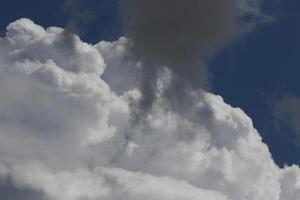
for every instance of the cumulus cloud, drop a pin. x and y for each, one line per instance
(67, 133)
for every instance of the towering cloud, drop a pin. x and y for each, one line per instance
(67, 134)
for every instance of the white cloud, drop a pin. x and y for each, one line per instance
(68, 133)
(251, 14)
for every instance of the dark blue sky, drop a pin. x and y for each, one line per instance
(258, 69)
(252, 73)
(104, 20)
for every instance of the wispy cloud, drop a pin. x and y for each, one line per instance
(287, 113)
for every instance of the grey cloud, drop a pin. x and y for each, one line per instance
(287, 112)
(179, 33)
(183, 35)
(9, 192)
(78, 15)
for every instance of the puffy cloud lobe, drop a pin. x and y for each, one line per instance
(122, 73)
(65, 132)
(59, 103)
(25, 40)
(290, 186)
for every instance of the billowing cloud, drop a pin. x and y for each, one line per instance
(67, 131)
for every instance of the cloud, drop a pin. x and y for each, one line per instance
(287, 113)
(251, 14)
(78, 15)
(183, 35)
(67, 134)
(9, 191)
(180, 33)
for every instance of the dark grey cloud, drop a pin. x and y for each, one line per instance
(180, 34)
(9, 192)
(183, 35)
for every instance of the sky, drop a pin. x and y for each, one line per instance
(261, 68)
(256, 71)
